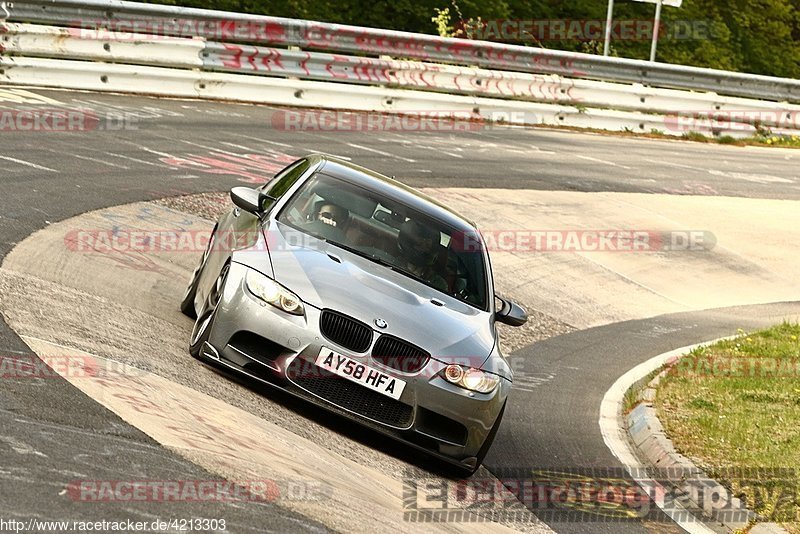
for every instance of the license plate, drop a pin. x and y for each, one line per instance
(359, 373)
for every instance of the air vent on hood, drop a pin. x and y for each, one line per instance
(345, 331)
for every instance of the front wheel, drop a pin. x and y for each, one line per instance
(187, 303)
(202, 326)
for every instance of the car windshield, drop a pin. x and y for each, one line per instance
(393, 234)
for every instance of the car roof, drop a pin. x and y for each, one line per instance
(391, 188)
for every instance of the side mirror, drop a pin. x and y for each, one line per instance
(510, 313)
(250, 200)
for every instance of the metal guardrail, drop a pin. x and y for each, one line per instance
(322, 102)
(249, 59)
(231, 27)
(82, 54)
(29, 40)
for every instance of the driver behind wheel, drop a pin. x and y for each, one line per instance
(419, 247)
(330, 221)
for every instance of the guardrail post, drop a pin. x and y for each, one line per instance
(655, 31)
(609, 20)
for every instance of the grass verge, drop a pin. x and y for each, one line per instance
(760, 139)
(764, 139)
(734, 409)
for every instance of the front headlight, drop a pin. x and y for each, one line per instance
(471, 378)
(273, 293)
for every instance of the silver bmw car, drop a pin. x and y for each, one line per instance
(363, 296)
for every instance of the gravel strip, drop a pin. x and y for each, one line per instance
(206, 205)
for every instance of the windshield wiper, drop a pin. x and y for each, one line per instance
(348, 248)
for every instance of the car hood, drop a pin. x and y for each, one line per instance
(326, 276)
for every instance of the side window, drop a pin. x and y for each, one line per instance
(285, 179)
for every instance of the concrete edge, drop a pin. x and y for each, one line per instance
(653, 450)
(615, 436)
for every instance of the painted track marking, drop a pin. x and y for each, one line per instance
(28, 164)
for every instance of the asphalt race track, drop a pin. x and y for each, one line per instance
(51, 433)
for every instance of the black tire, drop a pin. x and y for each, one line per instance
(487, 444)
(187, 304)
(202, 326)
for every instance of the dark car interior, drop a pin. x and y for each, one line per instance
(371, 226)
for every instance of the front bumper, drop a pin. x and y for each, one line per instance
(251, 337)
